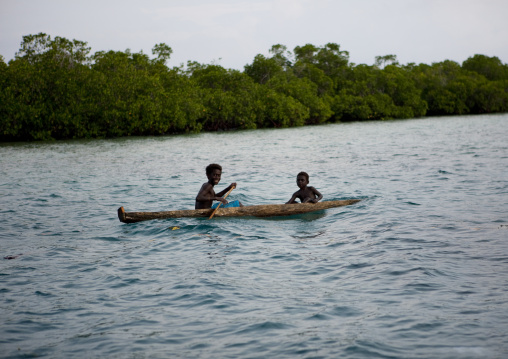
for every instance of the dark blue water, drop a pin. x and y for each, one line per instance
(417, 269)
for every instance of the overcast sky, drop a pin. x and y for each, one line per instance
(232, 32)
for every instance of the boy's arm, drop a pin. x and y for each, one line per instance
(318, 195)
(225, 190)
(292, 200)
(206, 194)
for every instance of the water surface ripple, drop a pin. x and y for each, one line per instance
(417, 269)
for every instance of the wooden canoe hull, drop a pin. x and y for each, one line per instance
(266, 210)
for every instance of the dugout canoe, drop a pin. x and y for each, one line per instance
(264, 210)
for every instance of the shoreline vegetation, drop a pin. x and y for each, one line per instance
(54, 89)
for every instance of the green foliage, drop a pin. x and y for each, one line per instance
(229, 98)
(369, 93)
(450, 90)
(332, 60)
(396, 83)
(382, 61)
(280, 110)
(490, 67)
(489, 97)
(54, 89)
(163, 53)
(305, 92)
(40, 48)
(263, 69)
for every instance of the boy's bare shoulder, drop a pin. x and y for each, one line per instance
(206, 184)
(206, 187)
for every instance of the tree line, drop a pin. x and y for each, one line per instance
(55, 89)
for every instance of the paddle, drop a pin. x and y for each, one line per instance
(216, 208)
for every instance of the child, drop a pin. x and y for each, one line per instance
(306, 193)
(206, 194)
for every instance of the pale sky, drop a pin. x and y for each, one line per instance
(231, 32)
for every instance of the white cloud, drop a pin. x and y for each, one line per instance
(205, 30)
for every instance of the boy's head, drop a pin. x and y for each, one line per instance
(302, 179)
(214, 173)
(211, 167)
(303, 174)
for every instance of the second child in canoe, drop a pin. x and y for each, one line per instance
(306, 194)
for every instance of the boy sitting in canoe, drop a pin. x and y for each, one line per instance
(306, 193)
(206, 194)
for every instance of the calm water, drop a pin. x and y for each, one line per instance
(418, 269)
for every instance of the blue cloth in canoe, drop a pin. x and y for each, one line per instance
(229, 205)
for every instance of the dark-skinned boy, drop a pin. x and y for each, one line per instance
(207, 195)
(306, 194)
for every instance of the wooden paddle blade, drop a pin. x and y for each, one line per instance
(227, 194)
